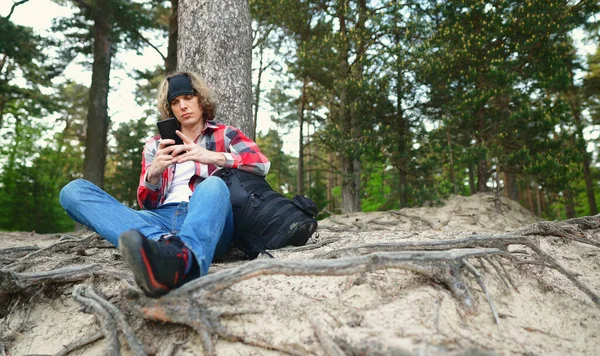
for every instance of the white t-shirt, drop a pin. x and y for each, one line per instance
(179, 190)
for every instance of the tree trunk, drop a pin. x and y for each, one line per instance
(330, 184)
(512, 188)
(215, 40)
(530, 199)
(347, 159)
(539, 202)
(451, 157)
(257, 89)
(348, 187)
(171, 62)
(97, 118)
(569, 206)
(589, 184)
(482, 176)
(301, 110)
(472, 187)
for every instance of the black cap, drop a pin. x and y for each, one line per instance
(179, 85)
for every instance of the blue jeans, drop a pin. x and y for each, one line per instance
(205, 224)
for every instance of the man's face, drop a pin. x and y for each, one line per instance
(187, 109)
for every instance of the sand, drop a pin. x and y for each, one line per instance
(386, 312)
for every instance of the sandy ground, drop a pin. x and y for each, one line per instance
(386, 312)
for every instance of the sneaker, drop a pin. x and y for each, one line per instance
(158, 266)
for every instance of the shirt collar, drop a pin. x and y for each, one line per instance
(211, 125)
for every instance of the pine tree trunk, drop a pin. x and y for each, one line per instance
(589, 184)
(512, 187)
(347, 159)
(481, 176)
(301, 111)
(569, 206)
(472, 187)
(539, 202)
(171, 62)
(530, 200)
(451, 157)
(330, 184)
(97, 118)
(215, 40)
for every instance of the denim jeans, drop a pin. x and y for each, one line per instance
(205, 224)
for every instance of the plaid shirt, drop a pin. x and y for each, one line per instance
(240, 151)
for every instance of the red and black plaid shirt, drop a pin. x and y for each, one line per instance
(240, 151)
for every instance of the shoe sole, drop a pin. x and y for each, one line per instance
(131, 247)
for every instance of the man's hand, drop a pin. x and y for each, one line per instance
(162, 159)
(190, 151)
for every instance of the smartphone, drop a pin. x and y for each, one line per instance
(167, 128)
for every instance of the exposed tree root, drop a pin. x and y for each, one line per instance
(572, 229)
(111, 319)
(188, 305)
(77, 344)
(443, 261)
(329, 346)
(107, 322)
(70, 244)
(314, 246)
(13, 282)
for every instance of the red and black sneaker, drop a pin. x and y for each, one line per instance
(158, 266)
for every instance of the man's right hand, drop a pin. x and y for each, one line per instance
(162, 160)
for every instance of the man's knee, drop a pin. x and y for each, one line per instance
(71, 192)
(216, 185)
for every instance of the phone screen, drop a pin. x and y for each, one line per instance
(167, 128)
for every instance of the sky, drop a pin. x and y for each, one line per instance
(38, 14)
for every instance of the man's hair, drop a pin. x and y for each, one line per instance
(201, 90)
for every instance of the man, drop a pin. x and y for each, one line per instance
(187, 218)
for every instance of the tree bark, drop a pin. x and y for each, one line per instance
(451, 157)
(482, 175)
(512, 188)
(97, 118)
(589, 184)
(301, 110)
(472, 187)
(171, 62)
(569, 205)
(215, 40)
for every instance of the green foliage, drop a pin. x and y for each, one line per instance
(124, 167)
(282, 174)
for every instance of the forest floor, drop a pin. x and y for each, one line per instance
(479, 275)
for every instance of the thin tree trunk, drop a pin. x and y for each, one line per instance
(530, 199)
(171, 62)
(481, 175)
(347, 160)
(539, 202)
(569, 206)
(511, 186)
(257, 89)
(216, 41)
(451, 161)
(589, 185)
(301, 110)
(97, 118)
(472, 187)
(330, 184)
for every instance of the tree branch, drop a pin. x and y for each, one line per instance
(12, 8)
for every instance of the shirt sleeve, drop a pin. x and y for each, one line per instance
(243, 153)
(148, 195)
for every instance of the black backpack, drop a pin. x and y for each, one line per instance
(264, 219)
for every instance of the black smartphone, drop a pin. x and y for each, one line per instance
(167, 128)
